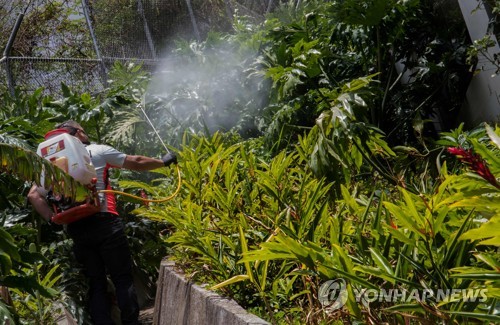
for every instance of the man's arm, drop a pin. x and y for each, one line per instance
(40, 204)
(141, 163)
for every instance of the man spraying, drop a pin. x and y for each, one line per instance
(100, 243)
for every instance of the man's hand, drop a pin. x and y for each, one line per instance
(53, 225)
(169, 158)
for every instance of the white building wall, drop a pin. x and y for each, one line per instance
(483, 95)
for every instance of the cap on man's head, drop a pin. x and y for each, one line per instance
(70, 124)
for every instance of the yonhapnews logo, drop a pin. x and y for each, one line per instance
(333, 295)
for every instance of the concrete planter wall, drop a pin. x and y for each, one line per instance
(178, 302)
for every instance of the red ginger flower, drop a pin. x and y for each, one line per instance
(476, 163)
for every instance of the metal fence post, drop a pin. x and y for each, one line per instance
(229, 11)
(193, 21)
(269, 6)
(140, 8)
(6, 54)
(104, 74)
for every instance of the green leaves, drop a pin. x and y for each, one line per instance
(9, 252)
(408, 216)
(29, 284)
(257, 223)
(366, 13)
(302, 62)
(28, 166)
(234, 279)
(232, 200)
(19, 274)
(487, 234)
(5, 314)
(271, 220)
(476, 316)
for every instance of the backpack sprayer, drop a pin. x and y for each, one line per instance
(69, 154)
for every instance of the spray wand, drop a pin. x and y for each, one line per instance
(168, 151)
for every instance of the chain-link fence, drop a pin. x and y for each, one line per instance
(46, 42)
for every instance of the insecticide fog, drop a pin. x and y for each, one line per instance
(206, 90)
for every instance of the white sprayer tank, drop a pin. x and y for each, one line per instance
(68, 153)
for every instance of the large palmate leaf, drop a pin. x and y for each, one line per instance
(30, 167)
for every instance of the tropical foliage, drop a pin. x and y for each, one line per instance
(272, 232)
(325, 168)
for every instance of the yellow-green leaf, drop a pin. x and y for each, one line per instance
(234, 279)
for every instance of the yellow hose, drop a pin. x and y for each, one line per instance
(150, 200)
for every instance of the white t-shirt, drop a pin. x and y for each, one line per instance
(103, 158)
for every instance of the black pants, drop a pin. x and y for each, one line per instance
(100, 245)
